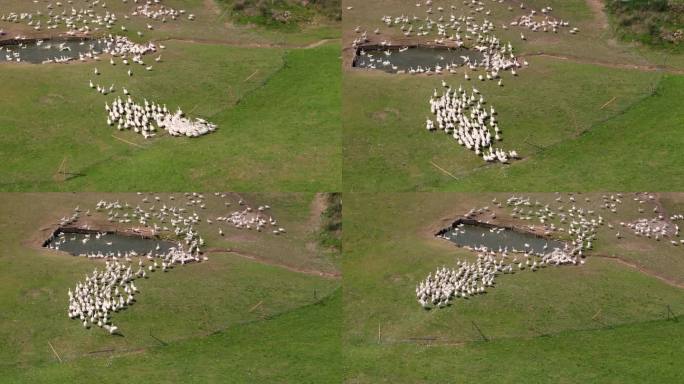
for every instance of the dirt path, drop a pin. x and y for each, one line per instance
(319, 43)
(261, 260)
(212, 6)
(245, 45)
(600, 16)
(641, 269)
(220, 42)
(580, 60)
(318, 205)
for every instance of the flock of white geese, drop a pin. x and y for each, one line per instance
(96, 298)
(87, 20)
(466, 118)
(82, 17)
(578, 224)
(145, 119)
(483, 57)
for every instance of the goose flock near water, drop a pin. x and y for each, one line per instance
(100, 293)
(657, 228)
(96, 298)
(157, 11)
(455, 31)
(579, 225)
(546, 24)
(485, 57)
(125, 114)
(121, 46)
(82, 50)
(488, 54)
(470, 279)
(84, 19)
(104, 292)
(51, 52)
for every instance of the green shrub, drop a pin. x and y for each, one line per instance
(657, 23)
(331, 228)
(282, 14)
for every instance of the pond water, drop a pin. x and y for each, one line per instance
(49, 51)
(495, 238)
(106, 243)
(397, 59)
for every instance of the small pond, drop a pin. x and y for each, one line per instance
(106, 243)
(475, 235)
(41, 51)
(397, 59)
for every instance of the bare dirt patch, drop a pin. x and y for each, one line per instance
(600, 16)
(385, 113)
(212, 6)
(318, 205)
(318, 43)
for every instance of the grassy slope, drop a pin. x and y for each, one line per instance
(191, 301)
(388, 249)
(71, 119)
(387, 147)
(635, 149)
(301, 346)
(278, 135)
(646, 353)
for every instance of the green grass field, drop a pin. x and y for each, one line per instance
(231, 308)
(589, 113)
(549, 326)
(275, 98)
(645, 352)
(301, 346)
(595, 111)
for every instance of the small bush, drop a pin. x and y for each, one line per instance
(279, 13)
(330, 234)
(651, 22)
(239, 5)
